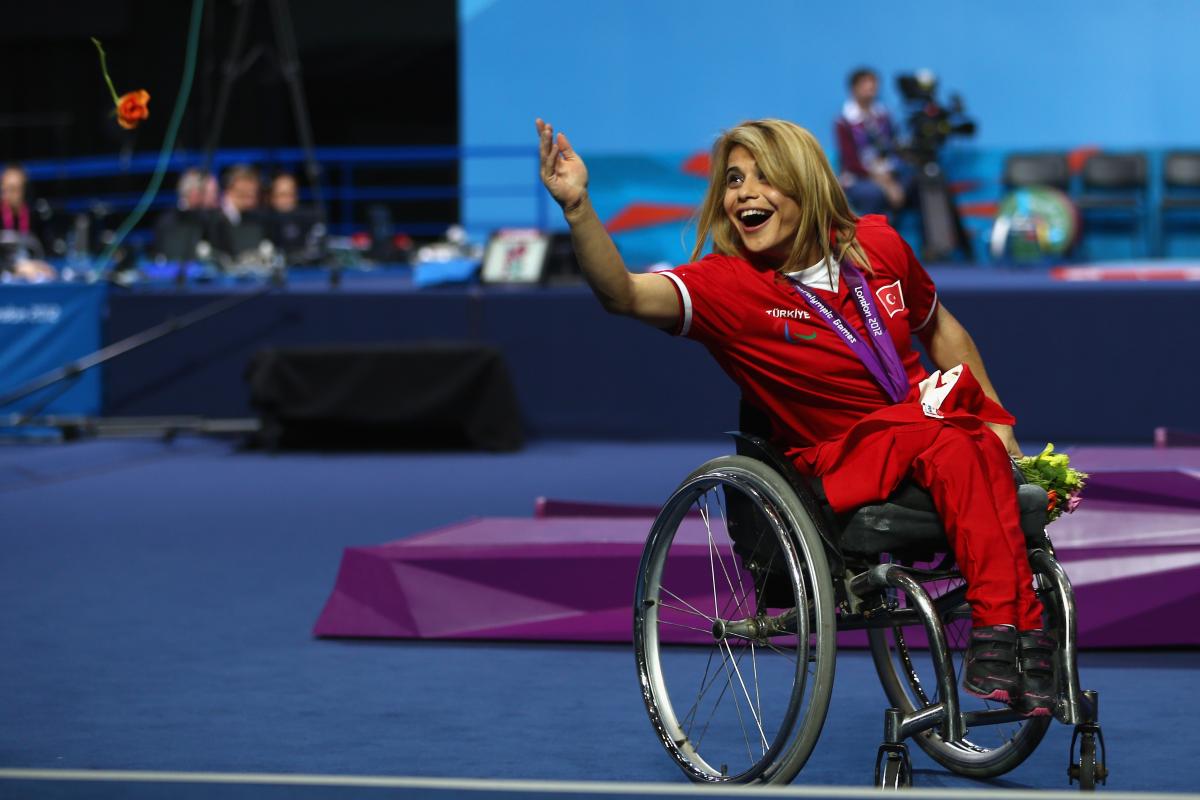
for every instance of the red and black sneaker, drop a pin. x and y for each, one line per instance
(1035, 659)
(991, 672)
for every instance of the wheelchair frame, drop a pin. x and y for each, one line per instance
(864, 594)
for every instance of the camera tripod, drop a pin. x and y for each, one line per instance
(287, 57)
(942, 229)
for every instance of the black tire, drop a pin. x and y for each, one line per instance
(896, 774)
(986, 752)
(1087, 762)
(776, 668)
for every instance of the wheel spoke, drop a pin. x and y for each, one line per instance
(691, 609)
(757, 694)
(742, 595)
(789, 656)
(691, 714)
(717, 702)
(711, 550)
(688, 627)
(704, 687)
(766, 572)
(726, 657)
(749, 701)
(715, 558)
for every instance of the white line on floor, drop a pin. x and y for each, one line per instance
(547, 787)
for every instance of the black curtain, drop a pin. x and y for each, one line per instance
(375, 72)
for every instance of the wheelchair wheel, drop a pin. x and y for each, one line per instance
(734, 625)
(909, 682)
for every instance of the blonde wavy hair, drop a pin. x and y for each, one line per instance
(792, 161)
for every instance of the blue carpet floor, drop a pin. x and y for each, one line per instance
(156, 603)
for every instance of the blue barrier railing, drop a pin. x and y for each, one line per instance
(338, 166)
(515, 171)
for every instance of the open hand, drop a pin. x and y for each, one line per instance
(563, 171)
(1005, 432)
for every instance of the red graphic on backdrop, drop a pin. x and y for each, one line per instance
(699, 164)
(1079, 156)
(645, 215)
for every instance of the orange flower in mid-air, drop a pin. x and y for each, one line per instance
(132, 108)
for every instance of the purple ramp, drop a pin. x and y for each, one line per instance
(1132, 552)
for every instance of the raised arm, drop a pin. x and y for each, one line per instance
(949, 344)
(646, 297)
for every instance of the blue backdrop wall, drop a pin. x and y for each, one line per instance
(650, 75)
(627, 77)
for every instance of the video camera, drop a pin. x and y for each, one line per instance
(929, 122)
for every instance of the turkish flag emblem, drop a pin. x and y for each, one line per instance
(891, 298)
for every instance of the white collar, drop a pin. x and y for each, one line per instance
(854, 113)
(821, 275)
(231, 212)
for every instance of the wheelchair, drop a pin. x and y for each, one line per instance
(746, 579)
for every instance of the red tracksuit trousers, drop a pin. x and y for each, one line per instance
(966, 469)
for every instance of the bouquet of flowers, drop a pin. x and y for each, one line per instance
(1052, 471)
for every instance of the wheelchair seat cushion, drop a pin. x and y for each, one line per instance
(907, 520)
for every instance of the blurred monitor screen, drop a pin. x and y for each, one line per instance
(515, 256)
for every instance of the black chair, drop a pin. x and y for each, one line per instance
(177, 233)
(1180, 205)
(1114, 192)
(298, 235)
(246, 237)
(233, 242)
(1037, 169)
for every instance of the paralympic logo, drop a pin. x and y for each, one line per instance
(796, 338)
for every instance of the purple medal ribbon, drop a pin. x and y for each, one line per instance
(879, 354)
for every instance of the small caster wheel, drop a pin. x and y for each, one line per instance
(893, 770)
(1090, 769)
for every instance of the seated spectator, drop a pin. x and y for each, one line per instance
(22, 249)
(178, 232)
(284, 194)
(875, 178)
(240, 227)
(296, 231)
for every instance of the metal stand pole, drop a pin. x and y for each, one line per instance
(942, 226)
(231, 70)
(289, 66)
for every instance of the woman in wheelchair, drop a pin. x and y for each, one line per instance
(812, 312)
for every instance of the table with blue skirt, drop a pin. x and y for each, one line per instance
(1075, 362)
(42, 327)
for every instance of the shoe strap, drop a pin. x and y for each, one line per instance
(1035, 664)
(1036, 640)
(995, 633)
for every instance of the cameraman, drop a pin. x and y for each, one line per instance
(876, 180)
